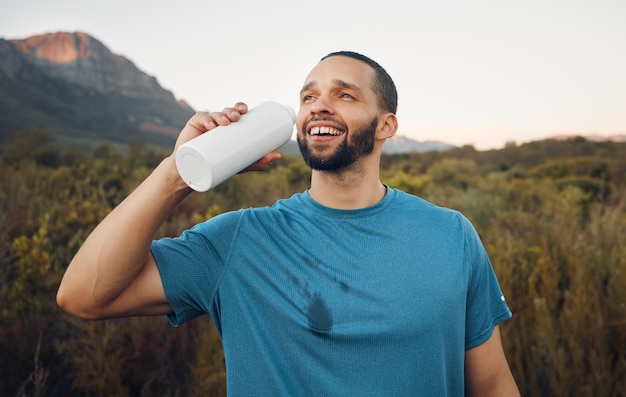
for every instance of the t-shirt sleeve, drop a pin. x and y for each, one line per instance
(192, 265)
(486, 305)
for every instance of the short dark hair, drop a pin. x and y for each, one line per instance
(383, 84)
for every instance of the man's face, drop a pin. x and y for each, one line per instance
(338, 114)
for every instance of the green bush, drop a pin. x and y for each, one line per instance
(552, 217)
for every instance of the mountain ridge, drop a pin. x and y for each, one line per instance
(81, 59)
(74, 86)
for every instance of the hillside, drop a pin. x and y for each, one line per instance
(74, 86)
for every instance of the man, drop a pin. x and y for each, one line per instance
(350, 288)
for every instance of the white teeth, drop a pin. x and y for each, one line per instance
(325, 131)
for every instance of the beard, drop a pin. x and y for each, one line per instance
(348, 151)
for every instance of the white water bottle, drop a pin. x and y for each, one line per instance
(211, 158)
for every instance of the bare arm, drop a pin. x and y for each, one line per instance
(114, 274)
(487, 372)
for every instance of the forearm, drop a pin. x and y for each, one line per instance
(487, 371)
(115, 252)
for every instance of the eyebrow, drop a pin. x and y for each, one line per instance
(337, 82)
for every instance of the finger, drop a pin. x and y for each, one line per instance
(224, 117)
(241, 107)
(202, 121)
(205, 121)
(230, 114)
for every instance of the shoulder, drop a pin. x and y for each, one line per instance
(450, 224)
(410, 204)
(232, 222)
(232, 218)
(296, 203)
(224, 220)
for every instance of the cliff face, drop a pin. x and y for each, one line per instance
(80, 59)
(73, 84)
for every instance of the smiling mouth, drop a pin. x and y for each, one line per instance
(325, 131)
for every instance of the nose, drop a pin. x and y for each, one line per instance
(322, 105)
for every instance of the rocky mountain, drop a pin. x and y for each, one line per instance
(74, 86)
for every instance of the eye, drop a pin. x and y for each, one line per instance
(345, 95)
(307, 98)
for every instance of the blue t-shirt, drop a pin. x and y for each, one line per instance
(315, 301)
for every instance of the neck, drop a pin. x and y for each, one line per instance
(357, 186)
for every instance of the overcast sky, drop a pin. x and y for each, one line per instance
(468, 72)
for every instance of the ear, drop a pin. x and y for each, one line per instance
(387, 126)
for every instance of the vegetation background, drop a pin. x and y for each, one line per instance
(551, 214)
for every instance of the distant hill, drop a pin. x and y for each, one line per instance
(396, 145)
(74, 86)
(402, 144)
(593, 137)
